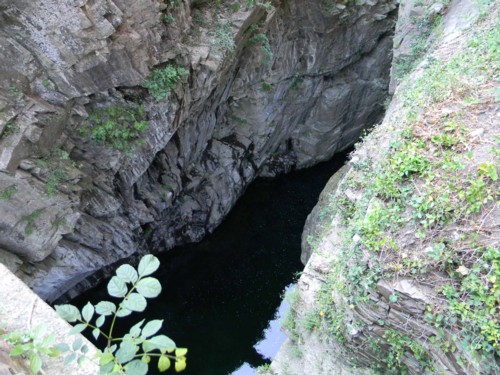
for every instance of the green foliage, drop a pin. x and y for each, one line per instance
(47, 84)
(289, 322)
(8, 192)
(54, 168)
(168, 19)
(238, 120)
(223, 38)
(30, 220)
(9, 129)
(132, 353)
(312, 320)
(297, 82)
(264, 367)
(199, 19)
(118, 126)
(162, 81)
(435, 180)
(235, 7)
(473, 299)
(15, 90)
(56, 176)
(441, 79)
(59, 222)
(265, 46)
(488, 170)
(33, 345)
(399, 345)
(267, 87)
(380, 220)
(425, 24)
(268, 6)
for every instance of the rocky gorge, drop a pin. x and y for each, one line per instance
(129, 127)
(250, 96)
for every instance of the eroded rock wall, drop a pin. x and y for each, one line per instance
(269, 89)
(393, 306)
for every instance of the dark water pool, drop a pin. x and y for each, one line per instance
(221, 297)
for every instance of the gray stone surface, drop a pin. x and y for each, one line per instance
(235, 117)
(22, 310)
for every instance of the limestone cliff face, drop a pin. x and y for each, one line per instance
(269, 88)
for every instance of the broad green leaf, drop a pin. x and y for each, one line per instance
(163, 363)
(68, 312)
(149, 287)
(148, 264)
(39, 331)
(160, 342)
(107, 368)
(48, 340)
(35, 363)
(42, 350)
(116, 287)
(77, 329)
(151, 328)
(180, 352)
(17, 350)
(123, 312)
(100, 321)
(146, 358)
(77, 344)
(88, 312)
(127, 273)
(135, 331)
(96, 333)
(106, 358)
(105, 308)
(180, 365)
(136, 367)
(69, 358)
(84, 349)
(53, 353)
(488, 169)
(126, 352)
(147, 346)
(62, 347)
(135, 302)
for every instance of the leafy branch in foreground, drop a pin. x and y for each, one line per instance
(131, 353)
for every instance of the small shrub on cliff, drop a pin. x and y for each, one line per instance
(161, 83)
(223, 38)
(132, 353)
(33, 345)
(118, 126)
(8, 192)
(265, 46)
(9, 129)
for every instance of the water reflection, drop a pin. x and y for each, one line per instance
(273, 336)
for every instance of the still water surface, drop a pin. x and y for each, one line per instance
(222, 298)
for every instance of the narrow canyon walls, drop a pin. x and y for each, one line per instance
(257, 90)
